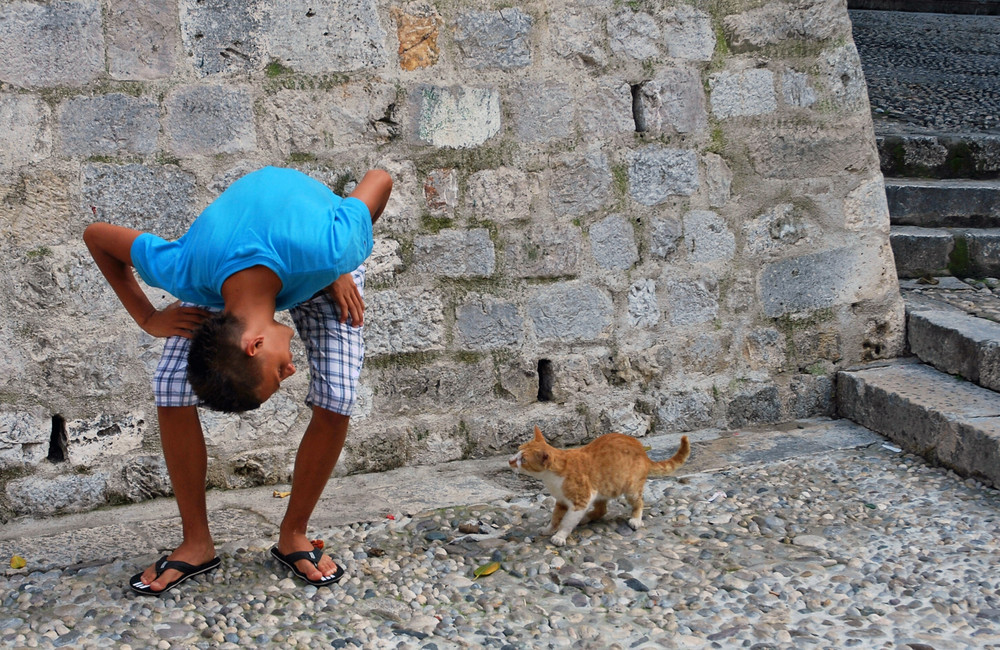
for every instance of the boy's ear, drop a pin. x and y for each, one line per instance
(251, 346)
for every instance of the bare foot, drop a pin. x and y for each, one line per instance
(195, 554)
(294, 542)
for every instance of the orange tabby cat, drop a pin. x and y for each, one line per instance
(583, 480)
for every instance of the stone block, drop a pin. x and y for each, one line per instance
(578, 33)
(570, 312)
(223, 36)
(801, 20)
(580, 185)
(542, 112)
(812, 396)
(495, 39)
(796, 90)
(379, 448)
(845, 79)
(718, 180)
(666, 235)
(866, 208)
(691, 301)
(142, 39)
(25, 132)
(607, 111)
(707, 238)
(984, 253)
(399, 216)
(634, 34)
(458, 117)
(809, 282)
(39, 496)
(755, 403)
(504, 432)
(440, 386)
(52, 44)
(688, 33)
(745, 93)
(685, 410)
(152, 199)
(709, 353)
(518, 380)
(543, 251)
(486, 323)
(91, 441)
(441, 191)
(958, 344)
(501, 195)
(417, 29)
(765, 348)
(643, 308)
(625, 420)
(455, 253)
(208, 120)
(921, 251)
(672, 102)
(932, 203)
(321, 36)
(144, 478)
(108, 125)
(259, 467)
(612, 242)
(808, 151)
(656, 173)
(24, 438)
(397, 322)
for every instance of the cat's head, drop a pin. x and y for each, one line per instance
(532, 457)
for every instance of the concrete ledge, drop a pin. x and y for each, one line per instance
(948, 421)
(943, 203)
(958, 344)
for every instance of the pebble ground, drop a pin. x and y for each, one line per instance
(862, 548)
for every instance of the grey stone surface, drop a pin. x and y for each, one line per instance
(804, 20)
(326, 36)
(222, 36)
(657, 173)
(403, 321)
(570, 312)
(24, 437)
(685, 410)
(577, 33)
(484, 322)
(580, 184)
(48, 496)
(707, 237)
(753, 403)
(844, 77)
(25, 130)
(796, 89)
(672, 102)
(607, 111)
(459, 117)
(919, 251)
(807, 283)
(957, 344)
(634, 34)
(91, 441)
(744, 93)
(643, 307)
(501, 195)
(866, 209)
(441, 191)
(433, 388)
(983, 246)
(929, 203)
(541, 111)
(152, 199)
(543, 252)
(52, 44)
(774, 153)
(666, 237)
(495, 39)
(142, 39)
(688, 33)
(691, 301)
(108, 125)
(718, 180)
(206, 120)
(776, 230)
(455, 253)
(612, 242)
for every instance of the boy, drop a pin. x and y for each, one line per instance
(276, 239)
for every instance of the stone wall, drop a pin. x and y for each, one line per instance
(636, 216)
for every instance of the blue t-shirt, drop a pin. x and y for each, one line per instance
(274, 217)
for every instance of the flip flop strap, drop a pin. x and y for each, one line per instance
(313, 556)
(177, 565)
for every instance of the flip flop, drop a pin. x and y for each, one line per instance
(187, 571)
(314, 557)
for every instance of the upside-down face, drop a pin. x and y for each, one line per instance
(531, 457)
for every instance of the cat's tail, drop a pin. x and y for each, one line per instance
(666, 467)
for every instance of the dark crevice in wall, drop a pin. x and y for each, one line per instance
(58, 442)
(545, 380)
(637, 116)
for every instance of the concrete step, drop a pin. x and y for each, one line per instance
(948, 421)
(932, 155)
(943, 203)
(957, 344)
(962, 252)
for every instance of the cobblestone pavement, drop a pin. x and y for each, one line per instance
(930, 72)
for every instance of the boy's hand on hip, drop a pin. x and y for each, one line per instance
(174, 320)
(345, 293)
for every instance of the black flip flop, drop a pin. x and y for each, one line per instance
(314, 557)
(187, 571)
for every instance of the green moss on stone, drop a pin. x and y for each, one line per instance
(960, 261)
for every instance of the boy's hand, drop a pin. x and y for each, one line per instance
(345, 293)
(174, 320)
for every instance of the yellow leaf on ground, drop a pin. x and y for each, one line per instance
(486, 569)
(17, 562)
(280, 495)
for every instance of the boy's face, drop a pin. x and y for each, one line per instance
(274, 355)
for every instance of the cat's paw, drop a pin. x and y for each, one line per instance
(559, 539)
(635, 523)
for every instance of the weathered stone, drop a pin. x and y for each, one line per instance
(803, 20)
(265, 424)
(417, 28)
(718, 180)
(24, 437)
(60, 494)
(152, 199)
(379, 448)
(145, 477)
(542, 111)
(812, 396)
(518, 380)
(505, 431)
(607, 111)
(495, 39)
(707, 353)
(775, 230)
(753, 404)
(25, 135)
(643, 309)
(570, 311)
(206, 120)
(142, 39)
(809, 282)
(688, 33)
(543, 251)
(580, 185)
(844, 77)
(484, 322)
(672, 102)
(53, 44)
(796, 90)
(765, 348)
(90, 441)
(398, 322)
(612, 242)
(385, 260)
(666, 236)
(108, 125)
(399, 216)
(808, 151)
(924, 151)
(222, 36)
(866, 209)
(656, 173)
(577, 32)
(707, 238)
(502, 194)
(441, 191)
(634, 34)
(737, 94)
(457, 117)
(318, 36)
(684, 411)
(624, 419)
(691, 301)
(455, 253)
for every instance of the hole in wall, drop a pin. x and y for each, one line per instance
(58, 442)
(545, 380)
(637, 115)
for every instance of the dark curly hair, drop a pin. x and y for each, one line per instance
(222, 375)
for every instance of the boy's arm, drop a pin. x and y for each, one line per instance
(111, 248)
(373, 191)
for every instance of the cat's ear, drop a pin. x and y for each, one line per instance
(538, 434)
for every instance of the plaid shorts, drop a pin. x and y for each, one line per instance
(336, 351)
